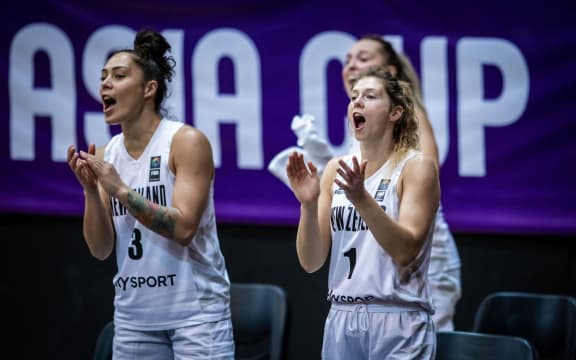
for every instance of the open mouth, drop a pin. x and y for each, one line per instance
(350, 81)
(108, 102)
(358, 119)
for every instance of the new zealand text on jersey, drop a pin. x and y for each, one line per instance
(346, 218)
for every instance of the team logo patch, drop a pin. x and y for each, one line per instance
(154, 168)
(381, 191)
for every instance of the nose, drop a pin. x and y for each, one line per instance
(357, 103)
(350, 65)
(349, 70)
(105, 83)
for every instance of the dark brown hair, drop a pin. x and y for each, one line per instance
(149, 52)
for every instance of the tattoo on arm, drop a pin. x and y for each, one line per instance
(154, 216)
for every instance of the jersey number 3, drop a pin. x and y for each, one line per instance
(135, 248)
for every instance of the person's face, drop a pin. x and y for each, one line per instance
(363, 54)
(122, 88)
(369, 109)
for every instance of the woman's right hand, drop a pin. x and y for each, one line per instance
(81, 170)
(304, 183)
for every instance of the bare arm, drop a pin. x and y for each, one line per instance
(428, 143)
(313, 237)
(194, 169)
(427, 140)
(97, 222)
(419, 193)
(191, 156)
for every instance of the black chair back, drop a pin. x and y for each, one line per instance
(259, 317)
(460, 345)
(547, 321)
(103, 348)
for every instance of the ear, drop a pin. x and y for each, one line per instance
(396, 113)
(150, 89)
(392, 70)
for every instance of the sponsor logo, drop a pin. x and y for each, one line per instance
(137, 282)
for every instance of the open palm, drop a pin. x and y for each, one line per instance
(304, 183)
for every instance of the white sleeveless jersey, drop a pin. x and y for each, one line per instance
(445, 256)
(361, 272)
(161, 284)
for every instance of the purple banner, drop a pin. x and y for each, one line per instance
(498, 79)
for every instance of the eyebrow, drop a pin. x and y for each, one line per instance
(116, 67)
(360, 52)
(365, 52)
(364, 90)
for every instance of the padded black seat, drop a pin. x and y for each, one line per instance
(461, 345)
(547, 321)
(259, 314)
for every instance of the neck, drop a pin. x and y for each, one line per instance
(138, 134)
(376, 156)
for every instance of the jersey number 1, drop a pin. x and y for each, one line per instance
(351, 255)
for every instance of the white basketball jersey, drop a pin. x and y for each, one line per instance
(361, 272)
(444, 255)
(161, 284)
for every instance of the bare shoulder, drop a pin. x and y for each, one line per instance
(191, 146)
(334, 162)
(188, 135)
(332, 166)
(421, 166)
(329, 173)
(420, 160)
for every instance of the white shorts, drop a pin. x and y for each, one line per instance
(374, 332)
(204, 341)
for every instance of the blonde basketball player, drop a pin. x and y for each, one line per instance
(372, 50)
(373, 211)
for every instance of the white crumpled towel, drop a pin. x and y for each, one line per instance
(314, 147)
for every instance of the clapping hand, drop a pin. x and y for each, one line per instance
(81, 170)
(352, 179)
(304, 181)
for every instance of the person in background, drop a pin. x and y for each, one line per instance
(445, 264)
(149, 198)
(373, 211)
